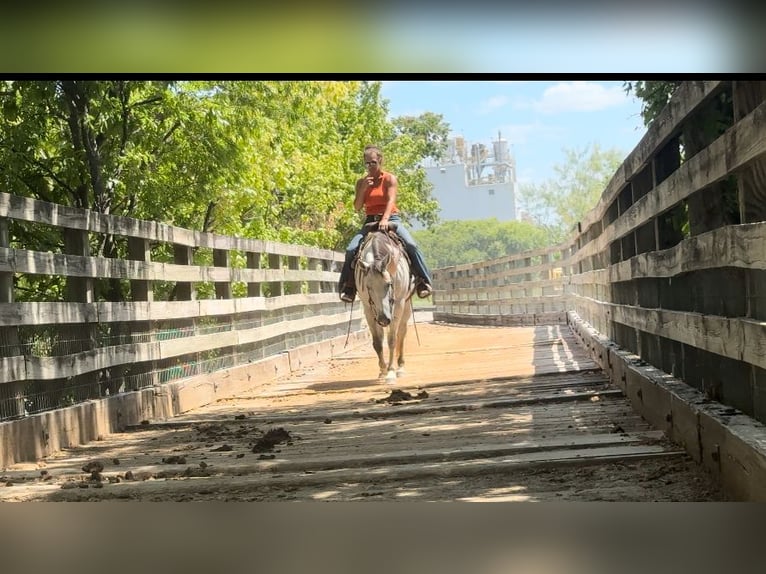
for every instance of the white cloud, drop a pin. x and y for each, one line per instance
(579, 96)
(491, 104)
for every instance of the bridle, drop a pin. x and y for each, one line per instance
(389, 288)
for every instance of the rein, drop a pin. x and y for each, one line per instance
(390, 298)
(350, 317)
(414, 324)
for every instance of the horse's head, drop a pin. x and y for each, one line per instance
(377, 262)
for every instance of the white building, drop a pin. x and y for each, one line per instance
(475, 184)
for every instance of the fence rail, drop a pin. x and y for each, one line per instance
(670, 264)
(226, 301)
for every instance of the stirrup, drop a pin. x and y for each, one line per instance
(347, 295)
(424, 290)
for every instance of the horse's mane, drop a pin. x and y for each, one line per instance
(382, 247)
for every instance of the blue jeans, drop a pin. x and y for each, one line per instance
(419, 268)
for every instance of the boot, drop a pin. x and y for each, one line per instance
(423, 288)
(348, 292)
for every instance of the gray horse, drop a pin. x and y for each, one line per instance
(385, 287)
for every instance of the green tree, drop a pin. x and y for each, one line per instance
(654, 96)
(268, 159)
(559, 203)
(152, 150)
(429, 130)
(459, 242)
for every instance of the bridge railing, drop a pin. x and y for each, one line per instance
(523, 289)
(671, 263)
(664, 280)
(190, 303)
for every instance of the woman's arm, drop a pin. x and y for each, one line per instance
(363, 187)
(390, 193)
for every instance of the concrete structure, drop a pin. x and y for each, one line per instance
(475, 183)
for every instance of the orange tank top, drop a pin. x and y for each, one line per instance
(378, 198)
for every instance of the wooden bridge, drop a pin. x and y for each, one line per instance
(484, 413)
(628, 363)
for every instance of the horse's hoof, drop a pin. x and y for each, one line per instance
(400, 372)
(391, 376)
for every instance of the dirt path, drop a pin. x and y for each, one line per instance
(493, 414)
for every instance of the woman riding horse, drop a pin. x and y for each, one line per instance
(376, 192)
(385, 288)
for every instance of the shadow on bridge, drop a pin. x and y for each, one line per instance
(344, 385)
(557, 350)
(508, 416)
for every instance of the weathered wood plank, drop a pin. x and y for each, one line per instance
(741, 144)
(33, 210)
(490, 269)
(689, 97)
(198, 343)
(502, 298)
(294, 326)
(736, 338)
(42, 313)
(39, 263)
(742, 246)
(46, 368)
(52, 313)
(12, 369)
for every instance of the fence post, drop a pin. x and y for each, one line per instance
(222, 288)
(185, 291)
(751, 182)
(78, 338)
(13, 393)
(293, 264)
(139, 249)
(315, 264)
(182, 255)
(275, 287)
(253, 262)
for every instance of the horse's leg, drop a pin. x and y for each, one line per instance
(393, 332)
(377, 339)
(401, 335)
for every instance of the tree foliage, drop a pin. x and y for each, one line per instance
(654, 96)
(458, 242)
(263, 159)
(560, 202)
(429, 130)
(718, 204)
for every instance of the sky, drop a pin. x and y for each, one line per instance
(539, 119)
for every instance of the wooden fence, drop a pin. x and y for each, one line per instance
(193, 303)
(671, 263)
(524, 289)
(665, 278)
